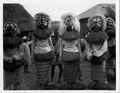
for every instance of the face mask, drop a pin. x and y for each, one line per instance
(69, 24)
(96, 29)
(42, 24)
(96, 24)
(11, 30)
(110, 22)
(69, 28)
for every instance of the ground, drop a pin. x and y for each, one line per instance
(29, 79)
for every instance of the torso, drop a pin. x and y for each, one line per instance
(13, 53)
(70, 46)
(98, 50)
(42, 46)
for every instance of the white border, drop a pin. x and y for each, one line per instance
(70, 91)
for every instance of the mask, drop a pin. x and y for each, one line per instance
(11, 29)
(69, 24)
(42, 22)
(96, 24)
(69, 28)
(110, 21)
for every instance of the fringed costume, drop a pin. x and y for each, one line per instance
(42, 48)
(13, 58)
(70, 48)
(97, 51)
(110, 30)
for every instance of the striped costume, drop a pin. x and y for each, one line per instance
(97, 49)
(69, 47)
(42, 48)
(13, 58)
(110, 30)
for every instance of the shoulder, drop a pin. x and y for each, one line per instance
(29, 42)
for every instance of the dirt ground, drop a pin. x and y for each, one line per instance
(30, 83)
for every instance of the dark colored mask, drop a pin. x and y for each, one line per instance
(69, 28)
(42, 21)
(10, 29)
(42, 24)
(110, 22)
(96, 28)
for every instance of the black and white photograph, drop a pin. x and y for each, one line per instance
(60, 45)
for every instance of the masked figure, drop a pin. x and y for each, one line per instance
(13, 57)
(110, 30)
(42, 48)
(97, 51)
(69, 50)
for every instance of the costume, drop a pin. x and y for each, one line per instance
(69, 47)
(42, 48)
(110, 30)
(13, 58)
(97, 48)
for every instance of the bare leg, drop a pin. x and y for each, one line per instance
(60, 71)
(52, 72)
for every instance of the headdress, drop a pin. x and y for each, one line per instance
(97, 26)
(97, 19)
(10, 29)
(69, 27)
(110, 29)
(11, 40)
(43, 26)
(42, 20)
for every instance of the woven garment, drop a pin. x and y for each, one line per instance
(11, 67)
(39, 57)
(14, 80)
(70, 56)
(98, 72)
(42, 72)
(19, 79)
(111, 62)
(70, 71)
(8, 80)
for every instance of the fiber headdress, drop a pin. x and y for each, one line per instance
(98, 34)
(66, 20)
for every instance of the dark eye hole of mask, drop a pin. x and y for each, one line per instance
(10, 26)
(69, 28)
(42, 24)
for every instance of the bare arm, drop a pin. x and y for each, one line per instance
(32, 50)
(60, 49)
(51, 44)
